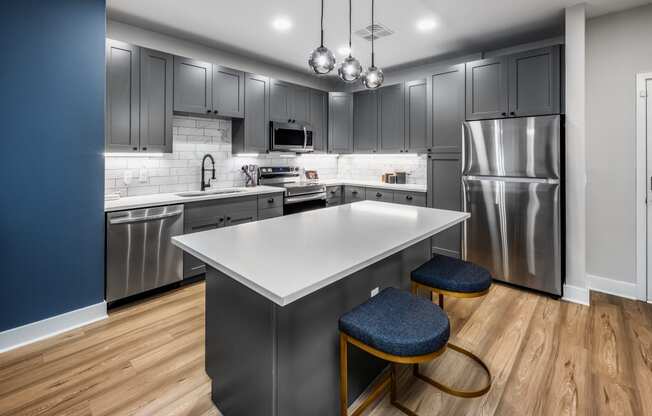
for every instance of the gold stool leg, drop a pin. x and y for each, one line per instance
(344, 392)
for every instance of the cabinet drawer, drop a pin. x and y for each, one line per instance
(203, 224)
(410, 198)
(270, 201)
(263, 214)
(240, 217)
(201, 210)
(353, 194)
(383, 195)
(334, 191)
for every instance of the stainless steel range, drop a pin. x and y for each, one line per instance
(300, 194)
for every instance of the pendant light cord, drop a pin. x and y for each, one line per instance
(322, 23)
(349, 28)
(372, 33)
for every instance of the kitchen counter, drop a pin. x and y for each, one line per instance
(376, 184)
(298, 254)
(144, 201)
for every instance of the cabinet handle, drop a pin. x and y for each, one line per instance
(135, 148)
(430, 150)
(208, 111)
(270, 200)
(512, 113)
(144, 148)
(228, 218)
(215, 111)
(504, 114)
(378, 195)
(354, 192)
(409, 197)
(333, 191)
(289, 120)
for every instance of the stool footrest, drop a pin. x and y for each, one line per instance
(452, 391)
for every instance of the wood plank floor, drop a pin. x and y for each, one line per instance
(547, 357)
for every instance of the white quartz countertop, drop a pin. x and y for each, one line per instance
(410, 187)
(287, 258)
(144, 201)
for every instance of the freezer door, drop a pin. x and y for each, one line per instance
(514, 230)
(515, 147)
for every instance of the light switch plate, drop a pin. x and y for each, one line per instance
(375, 291)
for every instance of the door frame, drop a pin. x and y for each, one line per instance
(641, 186)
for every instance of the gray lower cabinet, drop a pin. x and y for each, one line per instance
(340, 122)
(534, 82)
(251, 135)
(417, 199)
(155, 101)
(318, 119)
(365, 122)
(353, 194)
(446, 109)
(228, 92)
(445, 192)
(377, 194)
(122, 124)
(193, 86)
(391, 116)
(487, 89)
(264, 214)
(417, 136)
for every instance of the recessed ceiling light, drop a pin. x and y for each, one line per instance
(282, 24)
(344, 50)
(426, 24)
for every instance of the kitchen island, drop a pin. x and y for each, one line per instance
(276, 288)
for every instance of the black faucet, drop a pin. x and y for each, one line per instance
(205, 185)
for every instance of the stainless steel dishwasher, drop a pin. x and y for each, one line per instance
(139, 253)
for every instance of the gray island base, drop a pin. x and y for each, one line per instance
(275, 290)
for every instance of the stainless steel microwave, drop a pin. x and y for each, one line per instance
(291, 137)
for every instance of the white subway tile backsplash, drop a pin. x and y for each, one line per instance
(194, 137)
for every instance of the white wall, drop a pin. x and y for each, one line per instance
(576, 284)
(619, 46)
(155, 40)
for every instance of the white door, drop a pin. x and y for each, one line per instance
(646, 96)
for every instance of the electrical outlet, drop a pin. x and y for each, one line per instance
(375, 291)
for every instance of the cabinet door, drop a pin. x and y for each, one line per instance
(122, 97)
(447, 92)
(486, 89)
(192, 266)
(534, 82)
(391, 117)
(319, 119)
(365, 122)
(340, 122)
(382, 195)
(445, 192)
(280, 101)
(193, 85)
(256, 125)
(155, 101)
(228, 92)
(417, 137)
(353, 194)
(410, 198)
(300, 104)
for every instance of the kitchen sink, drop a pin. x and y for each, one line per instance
(189, 194)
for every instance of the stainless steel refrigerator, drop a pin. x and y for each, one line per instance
(512, 187)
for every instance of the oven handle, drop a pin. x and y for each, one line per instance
(302, 198)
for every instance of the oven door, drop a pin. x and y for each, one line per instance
(302, 203)
(291, 137)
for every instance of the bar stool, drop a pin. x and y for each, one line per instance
(398, 327)
(447, 276)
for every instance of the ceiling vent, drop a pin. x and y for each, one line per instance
(379, 30)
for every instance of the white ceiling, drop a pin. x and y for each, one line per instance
(244, 26)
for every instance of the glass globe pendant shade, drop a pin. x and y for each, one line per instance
(373, 77)
(350, 69)
(322, 60)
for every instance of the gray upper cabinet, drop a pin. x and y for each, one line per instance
(300, 104)
(252, 133)
(417, 138)
(365, 122)
(193, 86)
(446, 113)
(534, 82)
(487, 89)
(228, 92)
(280, 100)
(391, 115)
(155, 101)
(318, 119)
(445, 192)
(122, 97)
(340, 122)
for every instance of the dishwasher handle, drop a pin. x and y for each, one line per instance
(128, 220)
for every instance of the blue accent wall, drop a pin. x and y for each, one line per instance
(51, 163)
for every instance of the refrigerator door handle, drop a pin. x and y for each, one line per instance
(511, 179)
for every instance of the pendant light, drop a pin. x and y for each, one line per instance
(373, 77)
(322, 60)
(350, 68)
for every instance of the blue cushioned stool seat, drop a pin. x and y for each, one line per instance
(453, 275)
(399, 323)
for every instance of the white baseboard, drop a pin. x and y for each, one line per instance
(613, 287)
(36, 331)
(576, 294)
